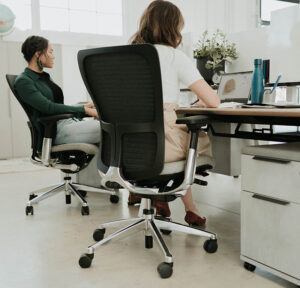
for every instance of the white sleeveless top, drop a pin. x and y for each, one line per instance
(176, 67)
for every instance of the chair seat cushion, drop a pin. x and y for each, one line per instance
(178, 166)
(84, 147)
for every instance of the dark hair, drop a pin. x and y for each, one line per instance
(34, 44)
(161, 23)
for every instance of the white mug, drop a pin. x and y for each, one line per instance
(269, 98)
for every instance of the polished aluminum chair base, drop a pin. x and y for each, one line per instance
(75, 189)
(151, 225)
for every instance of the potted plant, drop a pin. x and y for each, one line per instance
(211, 54)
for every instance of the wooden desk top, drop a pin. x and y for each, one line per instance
(288, 112)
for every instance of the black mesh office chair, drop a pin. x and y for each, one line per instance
(69, 158)
(125, 85)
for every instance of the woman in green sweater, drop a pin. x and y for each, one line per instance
(43, 97)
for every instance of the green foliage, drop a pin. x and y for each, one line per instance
(217, 47)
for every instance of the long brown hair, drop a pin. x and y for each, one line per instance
(160, 23)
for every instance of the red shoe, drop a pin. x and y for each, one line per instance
(132, 199)
(193, 219)
(162, 208)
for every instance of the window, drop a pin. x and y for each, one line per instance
(22, 11)
(267, 6)
(88, 16)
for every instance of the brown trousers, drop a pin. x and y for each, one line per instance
(177, 137)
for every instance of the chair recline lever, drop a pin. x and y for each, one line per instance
(200, 182)
(203, 174)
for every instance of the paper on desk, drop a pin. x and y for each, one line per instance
(286, 104)
(230, 105)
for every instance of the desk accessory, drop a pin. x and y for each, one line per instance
(193, 103)
(269, 96)
(276, 83)
(257, 86)
(266, 70)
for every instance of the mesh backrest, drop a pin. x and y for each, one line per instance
(125, 85)
(126, 81)
(11, 81)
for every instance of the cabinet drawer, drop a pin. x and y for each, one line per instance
(270, 233)
(271, 178)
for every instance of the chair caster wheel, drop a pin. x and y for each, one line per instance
(82, 193)
(68, 199)
(85, 210)
(210, 246)
(29, 210)
(85, 260)
(165, 232)
(148, 241)
(98, 234)
(165, 270)
(114, 199)
(32, 196)
(249, 267)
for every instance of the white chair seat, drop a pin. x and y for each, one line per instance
(84, 147)
(178, 166)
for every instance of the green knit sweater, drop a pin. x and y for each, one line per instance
(38, 97)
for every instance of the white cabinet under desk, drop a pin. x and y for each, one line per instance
(270, 209)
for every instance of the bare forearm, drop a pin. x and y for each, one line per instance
(205, 93)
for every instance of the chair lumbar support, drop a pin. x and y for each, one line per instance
(151, 226)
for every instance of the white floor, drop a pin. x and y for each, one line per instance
(42, 250)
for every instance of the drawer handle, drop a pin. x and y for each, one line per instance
(276, 201)
(269, 159)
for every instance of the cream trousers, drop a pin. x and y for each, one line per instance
(177, 137)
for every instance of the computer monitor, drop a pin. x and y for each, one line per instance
(235, 87)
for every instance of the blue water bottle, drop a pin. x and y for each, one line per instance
(257, 87)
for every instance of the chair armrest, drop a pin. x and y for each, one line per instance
(49, 123)
(195, 122)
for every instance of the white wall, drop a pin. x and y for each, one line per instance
(229, 15)
(279, 42)
(5, 112)
(73, 86)
(199, 15)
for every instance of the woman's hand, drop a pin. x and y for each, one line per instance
(90, 105)
(91, 112)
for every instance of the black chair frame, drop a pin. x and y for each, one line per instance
(135, 69)
(69, 161)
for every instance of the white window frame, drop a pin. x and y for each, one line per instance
(37, 6)
(67, 37)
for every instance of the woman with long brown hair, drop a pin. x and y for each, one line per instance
(161, 25)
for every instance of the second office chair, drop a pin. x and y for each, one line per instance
(125, 85)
